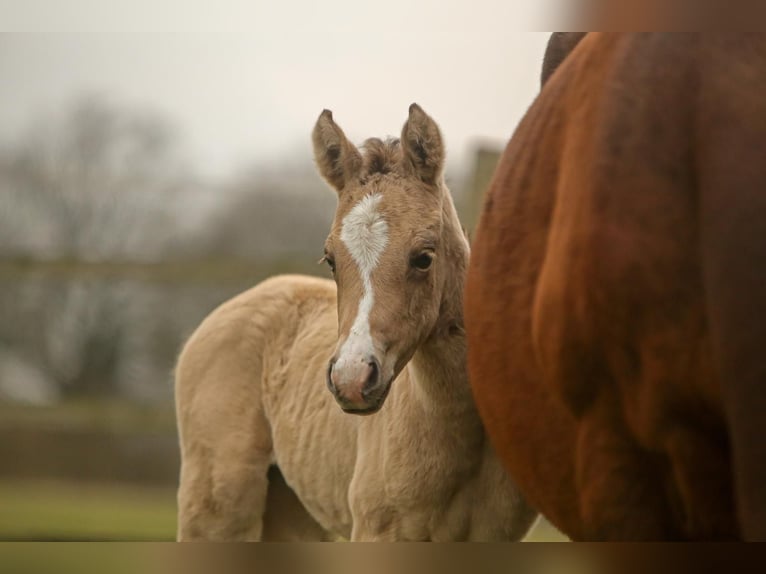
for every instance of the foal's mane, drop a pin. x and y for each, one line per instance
(381, 157)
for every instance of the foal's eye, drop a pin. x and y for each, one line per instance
(330, 262)
(422, 261)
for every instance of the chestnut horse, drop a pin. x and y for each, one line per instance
(252, 382)
(616, 296)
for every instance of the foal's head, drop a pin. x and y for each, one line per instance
(396, 251)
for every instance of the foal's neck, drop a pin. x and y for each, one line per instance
(438, 368)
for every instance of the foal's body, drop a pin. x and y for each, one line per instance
(251, 393)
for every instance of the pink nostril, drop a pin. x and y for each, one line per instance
(372, 376)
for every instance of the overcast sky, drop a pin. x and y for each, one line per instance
(254, 92)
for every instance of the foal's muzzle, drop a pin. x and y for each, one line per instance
(357, 387)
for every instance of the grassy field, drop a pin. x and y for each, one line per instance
(58, 467)
(88, 446)
(545, 532)
(61, 511)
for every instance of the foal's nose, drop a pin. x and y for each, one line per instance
(351, 381)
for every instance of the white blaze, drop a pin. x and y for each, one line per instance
(365, 235)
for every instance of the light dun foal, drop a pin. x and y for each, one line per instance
(252, 382)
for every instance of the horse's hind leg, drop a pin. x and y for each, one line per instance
(732, 208)
(622, 494)
(286, 519)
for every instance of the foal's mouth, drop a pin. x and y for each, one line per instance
(380, 400)
(362, 412)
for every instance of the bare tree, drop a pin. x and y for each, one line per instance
(85, 186)
(273, 217)
(90, 186)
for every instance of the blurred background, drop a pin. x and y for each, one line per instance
(146, 178)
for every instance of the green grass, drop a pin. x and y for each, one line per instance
(63, 511)
(543, 531)
(83, 510)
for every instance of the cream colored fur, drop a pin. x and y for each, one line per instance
(251, 383)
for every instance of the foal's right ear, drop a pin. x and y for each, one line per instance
(338, 160)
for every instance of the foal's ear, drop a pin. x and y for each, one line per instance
(337, 158)
(422, 145)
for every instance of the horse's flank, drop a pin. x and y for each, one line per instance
(614, 279)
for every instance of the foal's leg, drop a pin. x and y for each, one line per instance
(286, 519)
(223, 488)
(226, 445)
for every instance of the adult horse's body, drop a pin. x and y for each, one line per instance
(616, 298)
(252, 381)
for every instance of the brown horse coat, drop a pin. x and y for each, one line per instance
(616, 295)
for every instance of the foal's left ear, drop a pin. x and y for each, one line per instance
(422, 146)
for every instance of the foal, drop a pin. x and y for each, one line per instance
(252, 382)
